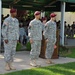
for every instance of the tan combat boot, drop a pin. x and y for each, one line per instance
(49, 61)
(33, 63)
(11, 66)
(7, 67)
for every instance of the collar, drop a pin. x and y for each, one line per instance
(12, 19)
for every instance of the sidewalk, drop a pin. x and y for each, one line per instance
(22, 60)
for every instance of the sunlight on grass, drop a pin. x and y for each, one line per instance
(60, 69)
(47, 72)
(63, 69)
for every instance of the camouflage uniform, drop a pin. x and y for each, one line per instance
(50, 34)
(10, 32)
(35, 33)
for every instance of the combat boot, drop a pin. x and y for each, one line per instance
(7, 67)
(11, 66)
(49, 61)
(33, 63)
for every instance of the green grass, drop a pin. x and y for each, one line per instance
(19, 46)
(28, 46)
(70, 53)
(60, 69)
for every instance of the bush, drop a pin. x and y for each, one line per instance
(19, 46)
(28, 46)
(63, 48)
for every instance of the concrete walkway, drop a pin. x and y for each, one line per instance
(22, 60)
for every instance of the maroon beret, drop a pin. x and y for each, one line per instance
(13, 10)
(52, 15)
(44, 18)
(37, 13)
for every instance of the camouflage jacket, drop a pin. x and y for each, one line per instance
(10, 29)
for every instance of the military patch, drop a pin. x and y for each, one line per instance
(5, 23)
(29, 27)
(46, 26)
(4, 26)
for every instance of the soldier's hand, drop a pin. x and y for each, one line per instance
(31, 41)
(6, 41)
(55, 46)
(47, 40)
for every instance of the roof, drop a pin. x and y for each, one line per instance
(47, 5)
(72, 1)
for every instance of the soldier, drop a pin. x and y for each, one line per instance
(10, 32)
(35, 34)
(43, 42)
(50, 36)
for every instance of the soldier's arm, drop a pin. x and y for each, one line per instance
(54, 36)
(5, 29)
(46, 31)
(42, 27)
(17, 30)
(30, 31)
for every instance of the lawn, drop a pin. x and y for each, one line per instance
(60, 69)
(68, 53)
(71, 54)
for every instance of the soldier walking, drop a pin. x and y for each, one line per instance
(10, 32)
(50, 36)
(43, 42)
(35, 34)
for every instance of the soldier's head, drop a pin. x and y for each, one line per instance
(37, 14)
(13, 12)
(44, 20)
(53, 16)
(73, 22)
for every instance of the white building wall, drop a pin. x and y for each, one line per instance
(69, 16)
(5, 11)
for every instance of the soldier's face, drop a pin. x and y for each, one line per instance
(54, 18)
(39, 16)
(44, 21)
(14, 14)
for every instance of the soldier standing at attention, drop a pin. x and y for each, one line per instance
(35, 34)
(50, 36)
(43, 42)
(10, 32)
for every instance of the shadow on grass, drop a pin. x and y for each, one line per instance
(41, 71)
(63, 69)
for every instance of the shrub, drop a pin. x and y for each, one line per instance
(28, 46)
(19, 46)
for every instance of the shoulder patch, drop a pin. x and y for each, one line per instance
(5, 23)
(30, 25)
(46, 24)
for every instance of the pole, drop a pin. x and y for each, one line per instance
(62, 22)
(0, 21)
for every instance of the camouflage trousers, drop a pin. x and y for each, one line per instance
(35, 50)
(9, 51)
(49, 50)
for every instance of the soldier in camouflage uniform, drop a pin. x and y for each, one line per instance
(35, 34)
(50, 36)
(10, 32)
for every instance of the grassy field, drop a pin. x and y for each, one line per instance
(71, 53)
(60, 69)
(68, 53)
